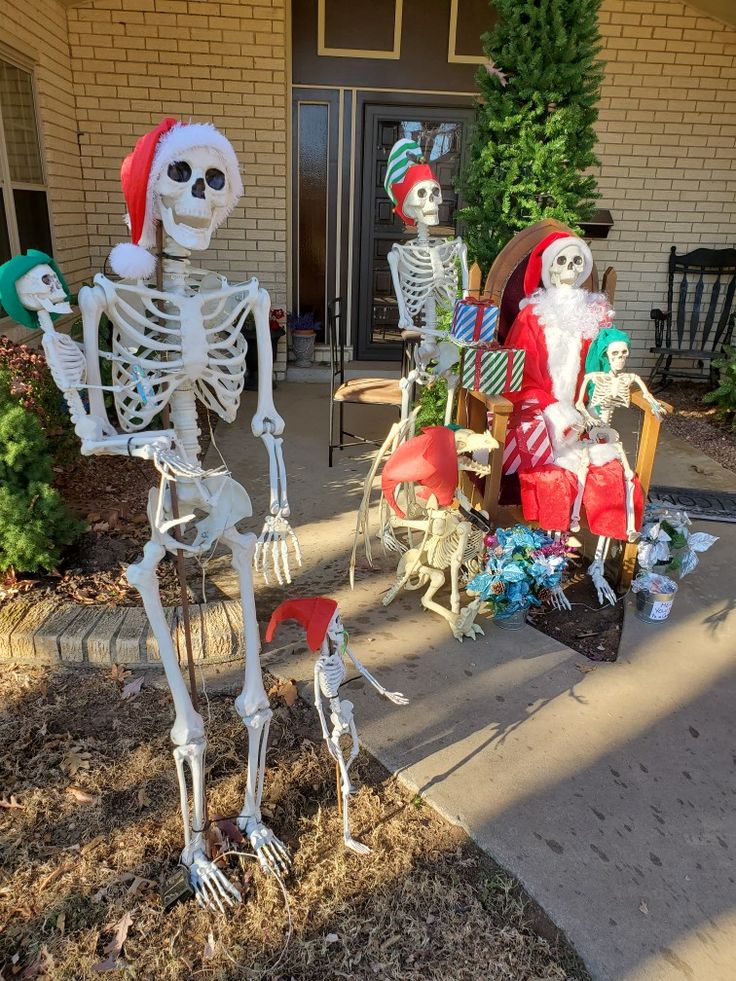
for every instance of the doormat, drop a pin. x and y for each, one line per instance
(703, 504)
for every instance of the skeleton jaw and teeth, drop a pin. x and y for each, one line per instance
(567, 267)
(41, 289)
(192, 198)
(422, 203)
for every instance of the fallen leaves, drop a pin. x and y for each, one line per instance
(585, 668)
(119, 673)
(209, 948)
(12, 804)
(132, 689)
(74, 761)
(114, 948)
(286, 690)
(81, 796)
(643, 908)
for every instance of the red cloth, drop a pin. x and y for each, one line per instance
(314, 613)
(429, 460)
(415, 174)
(528, 334)
(548, 494)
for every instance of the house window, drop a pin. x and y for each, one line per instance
(24, 215)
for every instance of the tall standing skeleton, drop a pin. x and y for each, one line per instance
(172, 347)
(424, 271)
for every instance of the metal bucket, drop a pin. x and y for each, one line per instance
(513, 622)
(653, 607)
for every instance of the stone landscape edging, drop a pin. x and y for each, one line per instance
(55, 631)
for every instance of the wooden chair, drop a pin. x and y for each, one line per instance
(714, 275)
(358, 391)
(504, 285)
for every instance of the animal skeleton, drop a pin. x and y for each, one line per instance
(172, 347)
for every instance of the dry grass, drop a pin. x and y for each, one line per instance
(425, 904)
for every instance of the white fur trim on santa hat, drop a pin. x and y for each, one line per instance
(552, 251)
(172, 146)
(132, 262)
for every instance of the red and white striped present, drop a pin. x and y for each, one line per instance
(528, 445)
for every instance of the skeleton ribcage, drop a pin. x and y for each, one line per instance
(610, 392)
(429, 271)
(332, 675)
(441, 551)
(161, 340)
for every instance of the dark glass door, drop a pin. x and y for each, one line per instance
(442, 134)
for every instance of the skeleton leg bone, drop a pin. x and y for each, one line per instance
(253, 708)
(210, 885)
(343, 724)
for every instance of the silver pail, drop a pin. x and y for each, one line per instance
(513, 622)
(653, 607)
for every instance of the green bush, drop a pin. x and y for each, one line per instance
(35, 524)
(724, 397)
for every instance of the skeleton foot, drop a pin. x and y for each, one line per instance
(602, 587)
(356, 846)
(271, 852)
(464, 624)
(559, 600)
(212, 889)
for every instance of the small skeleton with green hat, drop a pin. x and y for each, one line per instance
(608, 387)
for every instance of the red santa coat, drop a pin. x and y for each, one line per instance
(553, 373)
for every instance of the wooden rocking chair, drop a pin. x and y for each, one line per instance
(504, 286)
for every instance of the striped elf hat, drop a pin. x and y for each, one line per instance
(403, 172)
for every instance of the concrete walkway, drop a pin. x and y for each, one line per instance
(607, 790)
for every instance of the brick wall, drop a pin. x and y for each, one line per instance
(667, 130)
(36, 31)
(135, 61)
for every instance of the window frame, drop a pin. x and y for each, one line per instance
(7, 185)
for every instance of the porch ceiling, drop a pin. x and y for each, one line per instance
(723, 10)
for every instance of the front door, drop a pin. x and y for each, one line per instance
(442, 133)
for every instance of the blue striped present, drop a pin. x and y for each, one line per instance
(474, 321)
(493, 371)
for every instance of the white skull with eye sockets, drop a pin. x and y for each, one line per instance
(41, 289)
(617, 353)
(193, 197)
(423, 201)
(567, 266)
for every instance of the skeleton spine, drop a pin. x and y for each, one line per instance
(331, 675)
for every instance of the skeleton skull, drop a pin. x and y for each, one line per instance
(617, 353)
(567, 267)
(422, 202)
(336, 631)
(193, 197)
(40, 289)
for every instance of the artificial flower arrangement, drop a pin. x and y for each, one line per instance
(667, 548)
(523, 567)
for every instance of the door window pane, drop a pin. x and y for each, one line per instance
(19, 125)
(313, 172)
(32, 216)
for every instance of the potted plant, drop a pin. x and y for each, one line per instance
(303, 327)
(523, 567)
(666, 548)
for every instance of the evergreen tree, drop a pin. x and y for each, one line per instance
(35, 524)
(534, 138)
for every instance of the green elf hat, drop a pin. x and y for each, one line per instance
(11, 272)
(597, 358)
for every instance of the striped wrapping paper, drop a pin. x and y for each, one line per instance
(527, 444)
(473, 321)
(493, 371)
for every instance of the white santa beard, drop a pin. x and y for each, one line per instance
(566, 316)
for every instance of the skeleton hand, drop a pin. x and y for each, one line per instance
(272, 548)
(558, 600)
(396, 697)
(603, 589)
(333, 748)
(657, 410)
(211, 887)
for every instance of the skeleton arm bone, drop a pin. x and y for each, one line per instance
(581, 406)
(393, 696)
(406, 321)
(462, 253)
(266, 418)
(658, 410)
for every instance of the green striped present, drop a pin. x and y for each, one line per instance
(493, 371)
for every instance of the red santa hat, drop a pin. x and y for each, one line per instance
(139, 174)
(413, 176)
(313, 613)
(429, 460)
(544, 254)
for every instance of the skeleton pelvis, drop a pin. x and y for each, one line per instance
(224, 502)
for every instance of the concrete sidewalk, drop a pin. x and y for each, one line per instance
(608, 790)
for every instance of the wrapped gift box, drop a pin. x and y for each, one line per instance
(492, 370)
(528, 445)
(474, 321)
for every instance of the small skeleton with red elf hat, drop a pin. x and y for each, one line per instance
(174, 345)
(424, 271)
(326, 634)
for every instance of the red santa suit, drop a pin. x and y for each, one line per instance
(555, 327)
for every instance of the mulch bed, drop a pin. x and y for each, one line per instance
(590, 629)
(698, 422)
(90, 830)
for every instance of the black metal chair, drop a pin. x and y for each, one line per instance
(707, 281)
(359, 391)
